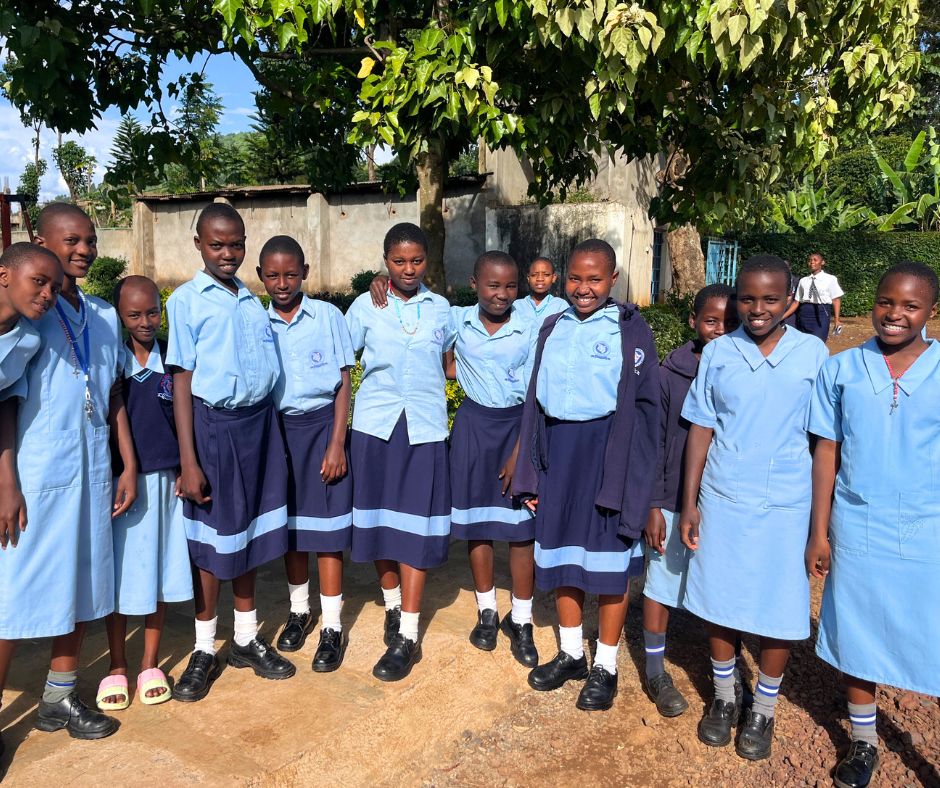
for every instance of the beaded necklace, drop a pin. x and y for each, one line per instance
(895, 380)
(80, 360)
(401, 322)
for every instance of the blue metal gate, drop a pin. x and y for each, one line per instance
(721, 264)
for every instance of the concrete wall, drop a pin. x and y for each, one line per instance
(112, 242)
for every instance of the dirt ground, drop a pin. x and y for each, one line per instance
(463, 718)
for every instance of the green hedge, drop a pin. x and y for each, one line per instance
(857, 258)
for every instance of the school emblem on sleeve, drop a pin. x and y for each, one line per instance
(267, 334)
(165, 389)
(638, 358)
(601, 351)
(439, 335)
(316, 359)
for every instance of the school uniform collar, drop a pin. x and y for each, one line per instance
(423, 294)
(205, 282)
(132, 366)
(752, 353)
(611, 312)
(515, 325)
(307, 307)
(549, 297)
(923, 368)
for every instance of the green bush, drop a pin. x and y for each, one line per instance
(857, 258)
(463, 296)
(361, 281)
(103, 276)
(670, 325)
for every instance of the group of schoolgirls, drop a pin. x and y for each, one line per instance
(230, 450)
(777, 463)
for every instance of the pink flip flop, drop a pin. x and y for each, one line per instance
(112, 686)
(151, 679)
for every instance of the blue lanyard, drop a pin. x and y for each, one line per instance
(82, 359)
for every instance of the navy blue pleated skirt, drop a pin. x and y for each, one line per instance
(319, 516)
(401, 499)
(241, 453)
(480, 443)
(814, 319)
(576, 542)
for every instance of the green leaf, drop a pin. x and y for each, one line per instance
(621, 39)
(565, 20)
(586, 23)
(751, 46)
(737, 25)
(386, 134)
(502, 12)
(594, 103)
(912, 159)
(228, 9)
(645, 36)
(540, 7)
(285, 34)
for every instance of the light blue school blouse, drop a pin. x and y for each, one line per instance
(402, 371)
(734, 393)
(494, 371)
(17, 347)
(312, 350)
(131, 366)
(551, 305)
(225, 339)
(581, 366)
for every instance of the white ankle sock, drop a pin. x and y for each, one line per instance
(409, 625)
(205, 635)
(572, 641)
(246, 627)
(521, 611)
(486, 600)
(392, 597)
(299, 597)
(330, 607)
(606, 657)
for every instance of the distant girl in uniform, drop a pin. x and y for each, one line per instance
(312, 396)
(818, 300)
(30, 280)
(398, 450)
(540, 303)
(61, 574)
(233, 473)
(590, 427)
(151, 557)
(876, 523)
(745, 511)
(713, 315)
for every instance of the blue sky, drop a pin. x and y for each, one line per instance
(229, 77)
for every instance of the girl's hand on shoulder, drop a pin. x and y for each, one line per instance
(379, 291)
(125, 492)
(689, 522)
(194, 486)
(655, 530)
(12, 515)
(817, 557)
(334, 464)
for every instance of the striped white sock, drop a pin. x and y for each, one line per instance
(765, 697)
(723, 678)
(864, 717)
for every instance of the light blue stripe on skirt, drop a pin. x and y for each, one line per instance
(303, 523)
(234, 543)
(436, 525)
(590, 561)
(488, 514)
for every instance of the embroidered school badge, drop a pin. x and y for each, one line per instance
(316, 359)
(638, 358)
(601, 351)
(165, 389)
(268, 333)
(511, 375)
(438, 334)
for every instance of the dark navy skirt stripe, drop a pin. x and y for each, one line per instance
(319, 516)
(401, 499)
(480, 443)
(814, 319)
(241, 453)
(576, 543)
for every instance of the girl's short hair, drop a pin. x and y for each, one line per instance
(925, 273)
(764, 264)
(282, 244)
(494, 256)
(703, 296)
(404, 233)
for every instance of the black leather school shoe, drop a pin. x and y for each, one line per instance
(483, 635)
(392, 624)
(755, 736)
(669, 701)
(78, 719)
(858, 767)
(714, 729)
(295, 631)
(554, 673)
(330, 651)
(599, 690)
(261, 658)
(397, 661)
(521, 642)
(194, 684)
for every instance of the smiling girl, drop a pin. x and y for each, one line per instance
(746, 495)
(875, 522)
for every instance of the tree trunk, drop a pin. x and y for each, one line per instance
(688, 262)
(431, 167)
(370, 163)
